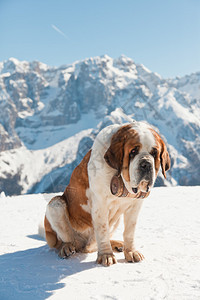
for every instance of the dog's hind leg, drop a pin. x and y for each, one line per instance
(51, 236)
(58, 229)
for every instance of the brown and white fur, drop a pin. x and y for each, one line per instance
(85, 216)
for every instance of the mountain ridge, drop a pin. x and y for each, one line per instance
(42, 106)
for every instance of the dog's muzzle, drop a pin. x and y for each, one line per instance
(145, 171)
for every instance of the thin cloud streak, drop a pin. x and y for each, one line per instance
(59, 31)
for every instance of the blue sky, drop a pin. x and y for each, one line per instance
(162, 35)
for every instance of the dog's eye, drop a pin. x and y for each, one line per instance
(154, 152)
(133, 152)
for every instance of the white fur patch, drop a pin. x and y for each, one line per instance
(86, 207)
(146, 136)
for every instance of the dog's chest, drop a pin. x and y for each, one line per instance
(117, 207)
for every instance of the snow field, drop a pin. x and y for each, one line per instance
(167, 234)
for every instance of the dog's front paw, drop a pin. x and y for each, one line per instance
(106, 259)
(133, 256)
(66, 250)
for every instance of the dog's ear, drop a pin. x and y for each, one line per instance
(164, 159)
(114, 155)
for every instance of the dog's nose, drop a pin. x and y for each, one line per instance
(145, 166)
(135, 190)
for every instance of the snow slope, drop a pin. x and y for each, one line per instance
(33, 165)
(167, 234)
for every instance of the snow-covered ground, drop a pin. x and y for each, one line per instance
(167, 234)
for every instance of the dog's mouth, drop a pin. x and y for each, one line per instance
(143, 187)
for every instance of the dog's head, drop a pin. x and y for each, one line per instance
(137, 152)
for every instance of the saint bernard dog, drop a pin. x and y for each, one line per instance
(123, 158)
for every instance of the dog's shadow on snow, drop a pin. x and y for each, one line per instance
(36, 273)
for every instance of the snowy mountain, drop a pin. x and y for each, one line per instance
(50, 116)
(167, 234)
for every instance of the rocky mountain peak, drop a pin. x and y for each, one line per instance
(42, 106)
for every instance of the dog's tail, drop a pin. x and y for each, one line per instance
(41, 230)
